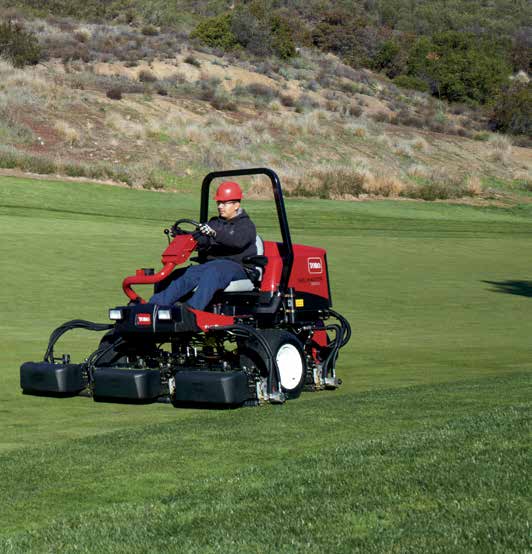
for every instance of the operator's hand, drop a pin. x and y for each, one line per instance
(207, 230)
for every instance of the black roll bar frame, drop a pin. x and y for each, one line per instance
(288, 253)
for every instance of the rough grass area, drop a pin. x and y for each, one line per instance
(152, 122)
(424, 448)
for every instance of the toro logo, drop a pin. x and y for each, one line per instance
(143, 319)
(315, 265)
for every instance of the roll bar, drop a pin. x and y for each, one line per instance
(288, 253)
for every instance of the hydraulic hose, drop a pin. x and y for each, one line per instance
(329, 362)
(273, 370)
(345, 326)
(69, 325)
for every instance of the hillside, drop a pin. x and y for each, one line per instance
(146, 107)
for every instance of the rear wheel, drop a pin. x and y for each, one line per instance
(289, 355)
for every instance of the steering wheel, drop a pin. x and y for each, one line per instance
(176, 229)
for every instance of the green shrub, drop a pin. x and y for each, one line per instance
(11, 158)
(282, 41)
(153, 182)
(435, 191)
(223, 101)
(147, 76)
(390, 59)
(18, 45)
(150, 30)
(250, 32)
(440, 186)
(208, 88)
(459, 66)
(512, 112)
(260, 90)
(114, 93)
(414, 83)
(192, 60)
(251, 27)
(288, 100)
(216, 32)
(482, 136)
(326, 183)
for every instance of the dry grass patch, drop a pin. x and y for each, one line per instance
(388, 186)
(524, 178)
(418, 171)
(338, 182)
(501, 149)
(421, 145)
(70, 135)
(212, 157)
(440, 184)
(196, 133)
(402, 147)
(23, 79)
(125, 126)
(358, 130)
(300, 124)
(474, 185)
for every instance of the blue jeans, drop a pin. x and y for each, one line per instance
(208, 277)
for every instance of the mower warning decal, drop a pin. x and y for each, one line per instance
(315, 265)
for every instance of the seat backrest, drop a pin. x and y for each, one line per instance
(260, 246)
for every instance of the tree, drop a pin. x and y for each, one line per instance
(512, 112)
(18, 45)
(459, 66)
(216, 32)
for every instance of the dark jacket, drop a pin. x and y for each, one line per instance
(235, 239)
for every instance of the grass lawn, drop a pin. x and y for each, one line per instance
(425, 447)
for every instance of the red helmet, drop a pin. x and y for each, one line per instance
(228, 191)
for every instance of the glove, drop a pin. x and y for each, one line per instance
(206, 230)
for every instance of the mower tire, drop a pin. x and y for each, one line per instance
(290, 358)
(112, 355)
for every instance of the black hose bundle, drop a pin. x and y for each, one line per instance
(69, 325)
(346, 328)
(342, 336)
(245, 331)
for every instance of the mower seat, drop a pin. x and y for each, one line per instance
(247, 285)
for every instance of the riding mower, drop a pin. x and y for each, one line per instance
(262, 339)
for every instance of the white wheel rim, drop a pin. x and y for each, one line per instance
(290, 366)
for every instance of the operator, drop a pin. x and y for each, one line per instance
(223, 243)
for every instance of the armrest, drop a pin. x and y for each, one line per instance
(259, 261)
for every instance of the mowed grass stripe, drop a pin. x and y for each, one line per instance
(460, 487)
(84, 200)
(42, 483)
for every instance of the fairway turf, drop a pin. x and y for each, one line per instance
(424, 448)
